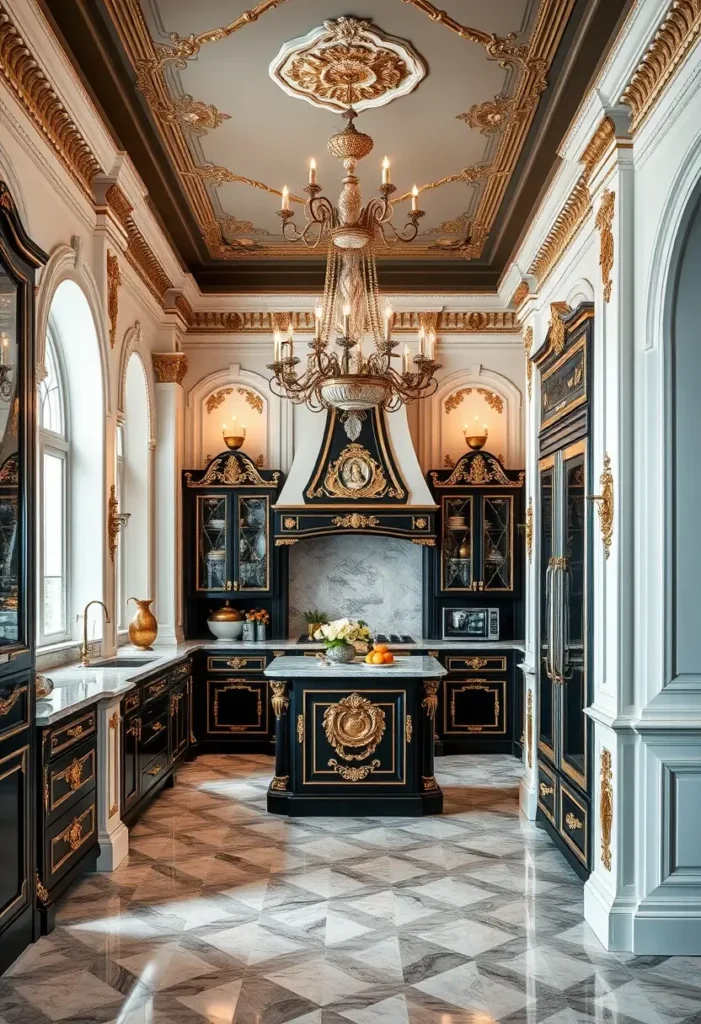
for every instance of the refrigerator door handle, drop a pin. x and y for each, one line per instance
(549, 607)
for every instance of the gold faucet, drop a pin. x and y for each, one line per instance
(84, 656)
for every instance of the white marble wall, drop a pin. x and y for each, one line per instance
(378, 579)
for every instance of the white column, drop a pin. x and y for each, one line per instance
(170, 419)
(113, 835)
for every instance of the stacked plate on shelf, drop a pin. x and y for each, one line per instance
(457, 523)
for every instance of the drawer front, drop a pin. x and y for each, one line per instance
(476, 706)
(154, 732)
(152, 772)
(68, 778)
(14, 708)
(131, 702)
(152, 690)
(237, 706)
(463, 664)
(546, 792)
(181, 671)
(69, 838)
(574, 822)
(70, 734)
(236, 663)
(352, 740)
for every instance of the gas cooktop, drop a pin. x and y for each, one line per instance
(381, 638)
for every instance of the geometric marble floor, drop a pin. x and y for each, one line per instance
(224, 914)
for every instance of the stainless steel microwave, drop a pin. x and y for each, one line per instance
(470, 623)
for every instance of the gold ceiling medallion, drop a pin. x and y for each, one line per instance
(604, 220)
(606, 807)
(527, 346)
(605, 505)
(346, 63)
(494, 401)
(558, 331)
(529, 529)
(354, 722)
(355, 474)
(169, 367)
(196, 116)
(214, 401)
(114, 279)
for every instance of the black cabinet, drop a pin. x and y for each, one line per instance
(564, 563)
(19, 261)
(232, 701)
(479, 704)
(68, 830)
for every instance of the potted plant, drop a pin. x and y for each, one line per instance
(314, 619)
(339, 637)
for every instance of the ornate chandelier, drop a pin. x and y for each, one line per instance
(349, 380)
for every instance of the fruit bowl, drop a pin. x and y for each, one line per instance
(383, 664)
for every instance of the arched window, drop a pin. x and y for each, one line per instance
(53, 496)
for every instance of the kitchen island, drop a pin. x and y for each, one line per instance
(354, 739)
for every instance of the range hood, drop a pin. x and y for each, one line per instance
(372, 484)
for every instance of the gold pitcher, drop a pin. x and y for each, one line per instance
(143, 628)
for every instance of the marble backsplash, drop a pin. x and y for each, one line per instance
(378, 579)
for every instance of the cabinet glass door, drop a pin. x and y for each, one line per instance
(11, 598)
(213, 542)
(574, 649)
(546, 731)
(253, 522)
(457, 559)
(497, 542)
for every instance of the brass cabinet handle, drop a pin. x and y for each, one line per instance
(135, 728)
(236, 662)
(157, 726)
(77, 730)
(74, 834)
(546, 790)
(155, 770)
(157, 688)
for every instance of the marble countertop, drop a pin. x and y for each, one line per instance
(412, 667)
(68, 697)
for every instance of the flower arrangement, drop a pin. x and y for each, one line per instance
(258, 616)
(339, 637)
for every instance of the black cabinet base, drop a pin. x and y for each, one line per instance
(46, 912)
(361, 805)
(15, 938)
(580, 869)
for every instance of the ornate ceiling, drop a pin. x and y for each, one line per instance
(219, 107)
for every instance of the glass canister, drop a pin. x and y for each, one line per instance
(249, 632)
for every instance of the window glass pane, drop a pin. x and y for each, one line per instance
(54, 555)
(50, 397)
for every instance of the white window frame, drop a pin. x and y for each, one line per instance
(58, 446)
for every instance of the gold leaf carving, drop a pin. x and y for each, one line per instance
(231, 470)
(527, 346)
(254, 400)
(355, 474)
(169, 367)
(606, 807)
(604, 220)
(355, 521)
(114, 279)
(558, 331)
(347, 74)
(279, 700)
(493, 400)
(196, 116)
(522, 292)
(529, 529)
(355, 773)
(605, 505)
(430, 700)
(353, 723)
(491, 116)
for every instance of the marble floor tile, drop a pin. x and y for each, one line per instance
(227, 915)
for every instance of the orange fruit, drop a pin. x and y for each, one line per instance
(388, 657)
(381, 648)
(377, 657)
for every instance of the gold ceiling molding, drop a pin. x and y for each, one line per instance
(114, 279)
(493, 400)
(492, 115)
(604, 220)
(678, 32)
(567, 224)
(404, 322)
(169, 367)
(194, 115)
(520, 294)
(250, 397)
(139, 253)
(527, 346)
(602, 138)
(218, 175)
(347, 63)
(33, 89)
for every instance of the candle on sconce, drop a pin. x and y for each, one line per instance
(414, 199)
(430, 344)
(422, 340)
(312, 171)
(5, 349)
(385, 171)
(243, 429)
(290, 340)
(285, 197)
(318, 313)
(406, 359)
(346, 320)
(388, 321)
(277, 347)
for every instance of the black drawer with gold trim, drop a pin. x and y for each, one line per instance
(237, 706)
(236, 663)
(153, 771)
(181, 671)
(68, 778)
(69, 839)
(131, 701)
(465, 663)
(152, 690)
(154, 730)
(475, 705)
(14, 708)
(547, 784)
(69, 733)
(574, 822)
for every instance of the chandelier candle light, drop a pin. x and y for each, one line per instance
(350, 381)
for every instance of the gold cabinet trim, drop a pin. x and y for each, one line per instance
(451, 687)
(541, 794)
(73, 775)
(220, 663)
(225, 685)
(573, 824)
(75, 837)
(471, 663)
(78, 731)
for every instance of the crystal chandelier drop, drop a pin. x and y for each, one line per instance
(350, 380)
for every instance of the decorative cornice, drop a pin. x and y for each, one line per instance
(169, 367)
(404, 322)
(602, 138)
(566, 226)
(34, 91)
(520, 295)
(675, 37)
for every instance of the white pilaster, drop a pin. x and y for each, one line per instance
(113, 835)
(170, 419)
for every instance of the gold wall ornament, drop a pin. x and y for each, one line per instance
(529, 726)
(604, 220)
(354, 773)
(430, 700)
(479, 471)
(678, 32)
(491, 116)
(606, 807)
(231, 470)
(605, 505)
(355, 474)
(493, 400)
(300, 728)
(169, 367)
(355, 521)
(194, 115)
(558, 330)
(529, 529)
(279, 700)
(347, 63)
(403, 322)
(116, 521)
(280, 782)
(572, 821)
(114, 279)
(409, 728)
(250, 397)
(428, 783)
(520, 294)
(354, 722)
(527, 346)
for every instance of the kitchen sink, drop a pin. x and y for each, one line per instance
(122, 662)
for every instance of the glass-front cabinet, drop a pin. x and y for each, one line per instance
(233, 542)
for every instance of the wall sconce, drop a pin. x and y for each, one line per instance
(116, 520)
(233, 436)
(473, 438)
